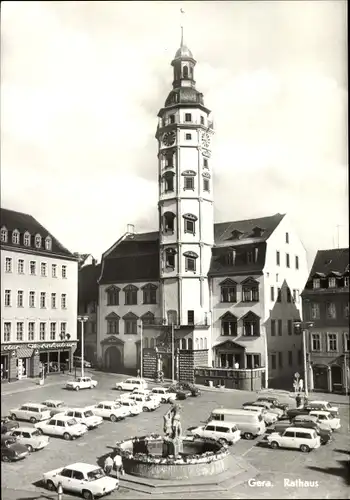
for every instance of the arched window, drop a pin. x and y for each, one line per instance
(168, 181)
(145, 343)
(37, 240)
(15, 236)
(197, 344)
(205, 344)
(190, 344)
(170, 257)
(183, 344)
(168, 222)
(26, 239)
(201, 343)
(152, 343)
(113, 296)
(48, 243)
(4, 235)
(185, 71)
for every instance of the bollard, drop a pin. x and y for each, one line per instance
(59, 491)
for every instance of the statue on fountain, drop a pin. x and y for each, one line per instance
(173, 431)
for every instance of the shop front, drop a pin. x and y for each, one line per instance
(20, 361)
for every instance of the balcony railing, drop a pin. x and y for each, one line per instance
(157, 321)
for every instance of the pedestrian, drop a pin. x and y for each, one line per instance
(108, 465)
(306, 401)
(236, 366)
(118, 465)
(161, 377)
(298, 400)
(138, 374)
(301, 385)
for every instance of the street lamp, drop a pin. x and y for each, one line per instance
(141, 348)
(82, 319)
(304, 326)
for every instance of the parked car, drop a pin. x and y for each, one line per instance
(325, 435)
(84, 416)
(133, 407)
(7, 425)
(324, 406)
(181, 391)
(189, 388)
(309, 418)
(81, 383)
(11, 450)
(62, 426)
(90, 481)
(283, 397)
(303, 439)
(132, 383)
(147, 403)
(224, 432)
(33, 412)
(78, 362)
(269, 418)
(110, 410)
(251, 424)
(327, 419)
(164, 394)
(55, 406)
(268, 406)
(276, 403)
(295, 412)
(30, 438)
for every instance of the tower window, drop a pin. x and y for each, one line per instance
(189, 226)
(168, 222)
(190, 317)
(169, 181)
(172, 118)
(188, 117)
(189, 183)
(188, 137)
(170, 257)
(202, 120)
(205, 163)
(190, 264)
(206, 186)
(185, 71)
(287, 237)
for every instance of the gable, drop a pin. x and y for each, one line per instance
(228, 345)
(148, 314)
(112, 339)
(228, 317)
(228, 282)
(130, 288)
(250, 281)
(130, 315)
(250, 316)
(149, 286)
(112, 315)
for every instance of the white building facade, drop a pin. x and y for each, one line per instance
(39, 288)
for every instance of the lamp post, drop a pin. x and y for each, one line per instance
(172, 353)
(304, 326)
(141, 348)
(83, 320)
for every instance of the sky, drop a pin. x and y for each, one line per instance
(82, 83)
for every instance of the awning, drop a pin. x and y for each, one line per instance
(24, 352)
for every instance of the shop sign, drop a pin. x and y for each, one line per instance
(53, 345)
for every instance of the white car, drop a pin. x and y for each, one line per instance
(132, 383)
(142, 392)
(88, 480)
(33, 412)
(147, 403)
(269, 418)
(60, 425)
(310, 418)
(224, 432)
(323, 405)
(268, 406)
(55, 406)
(81, 383)
(299, 438)
(30, 438)
(84, 416)
(164, 394)
(111, 410)
(133, 407)
(327, 419)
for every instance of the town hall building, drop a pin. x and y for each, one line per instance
(210, 302)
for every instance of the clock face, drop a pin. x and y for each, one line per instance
(169, 138)
(206, 140)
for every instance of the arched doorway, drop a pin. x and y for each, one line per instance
(113, 360)
(320, 378)
(337, 378)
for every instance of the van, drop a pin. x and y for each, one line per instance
(225, 433)
(251, 424)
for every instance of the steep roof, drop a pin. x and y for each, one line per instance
(136, 257)
(24, 222)
(333, 260)
(88, 283)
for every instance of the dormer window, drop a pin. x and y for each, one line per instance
(37, 241)
(168, 222)
(332, 282)
(48, 243)
(231, 258)
(257, 231)
(346, 281)
(4, 235)
(26, 239)
(15, 237)
(170, 257)
(317, 283)
(236, 234)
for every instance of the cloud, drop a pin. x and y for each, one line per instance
(82, 83)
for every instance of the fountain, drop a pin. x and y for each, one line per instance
(161, 461)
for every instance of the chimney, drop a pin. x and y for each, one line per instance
(130, 228)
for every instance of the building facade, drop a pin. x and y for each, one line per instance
(215, 302)
(326, 308)
(39, 288)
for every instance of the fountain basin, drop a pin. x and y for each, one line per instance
(142, 457)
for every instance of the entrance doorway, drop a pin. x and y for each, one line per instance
(113, 360)
(22, 367)
(320, 378)
(4, 367)
(337, 379)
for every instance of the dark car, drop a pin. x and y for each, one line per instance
(186, 386)
(8, 425)
(181, 391)
(325, 435)
(274, 401)
(293, 412)
(12, 451)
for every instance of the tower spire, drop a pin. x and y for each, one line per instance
(182, 28)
